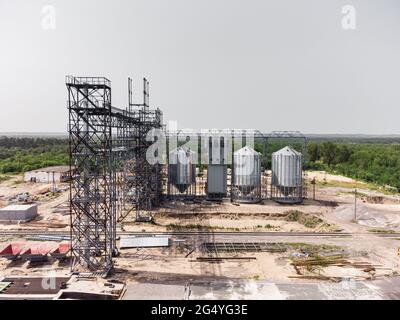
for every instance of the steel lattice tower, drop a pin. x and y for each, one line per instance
(143, 181)
(93, 187)
(113, 178)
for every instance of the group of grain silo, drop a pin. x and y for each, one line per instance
(286, 183)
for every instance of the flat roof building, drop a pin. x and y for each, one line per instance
(18, 212)
(49, 174)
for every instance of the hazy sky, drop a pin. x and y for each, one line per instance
(268, 65)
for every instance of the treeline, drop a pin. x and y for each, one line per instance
(359, 139)
(371, 162)
(20, 154)
(31, 142)
(377, 163)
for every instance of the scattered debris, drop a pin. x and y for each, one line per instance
(220, 259)
(190, 252)
(244, 246)
(375, 199)
(48, 224)
(299, 255)
(48, 238)
(381, 230)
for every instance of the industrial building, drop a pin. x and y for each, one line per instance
(113, 178)
(54, 174)
(18, 212)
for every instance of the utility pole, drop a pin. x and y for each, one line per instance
(355, 203)
(313, 182)
(54, 184)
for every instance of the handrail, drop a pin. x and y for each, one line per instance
(71, 80)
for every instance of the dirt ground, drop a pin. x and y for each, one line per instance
(53, 211)
(332, 210)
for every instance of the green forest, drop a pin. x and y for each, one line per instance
(20, 154)
(376, 161)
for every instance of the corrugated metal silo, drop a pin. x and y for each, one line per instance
(182, 168)
(287, 181)
(246, 175)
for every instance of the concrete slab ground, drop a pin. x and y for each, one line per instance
(32, 288)
(145, 291)
(263, 290)
(248, 290)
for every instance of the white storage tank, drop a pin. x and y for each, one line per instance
(182, 168)
(287, 175)
(247, 175)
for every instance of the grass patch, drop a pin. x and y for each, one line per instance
(342, 184)
(313, 248)
(199, 227)
(306, 219)
(293, 215)
(152, 222)
(179, 227)
(360, 195)
(316, 257)
(174, 226)
(359, 184)
(312, 222)
(18, 181)
(4, 177)
(270, 226)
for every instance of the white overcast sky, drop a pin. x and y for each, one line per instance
(268, 65)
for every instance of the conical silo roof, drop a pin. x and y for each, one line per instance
(287, 151)
(246, 151)
(182, 152)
